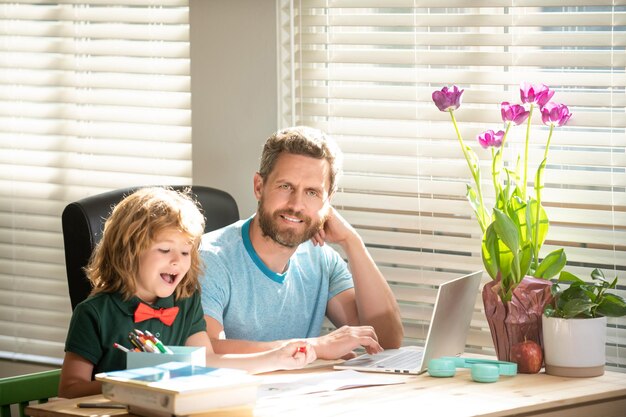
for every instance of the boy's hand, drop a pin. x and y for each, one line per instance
(295, 355)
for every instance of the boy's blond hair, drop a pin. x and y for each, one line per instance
(132, 228)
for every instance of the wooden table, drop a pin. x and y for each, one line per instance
(521, 395)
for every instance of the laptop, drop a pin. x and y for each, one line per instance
(447, 333)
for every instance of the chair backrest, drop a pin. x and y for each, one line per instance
(83, 221)
(22, 389)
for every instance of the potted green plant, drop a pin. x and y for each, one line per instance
(514, 223)
(574, 324)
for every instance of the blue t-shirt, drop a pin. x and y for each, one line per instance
(254, 303)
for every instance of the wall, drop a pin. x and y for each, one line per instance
(234, 92)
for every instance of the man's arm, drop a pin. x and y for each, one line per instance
(337, 344)
(371, 302)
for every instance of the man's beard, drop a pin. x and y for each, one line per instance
(288, 238)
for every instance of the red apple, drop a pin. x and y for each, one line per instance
(528, 357)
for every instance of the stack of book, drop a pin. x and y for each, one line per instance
(181, 389)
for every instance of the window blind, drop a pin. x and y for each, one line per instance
(94, 96)
(364, 71)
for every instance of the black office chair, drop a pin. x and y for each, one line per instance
(83, 221)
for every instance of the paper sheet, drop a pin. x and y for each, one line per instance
(295, 384)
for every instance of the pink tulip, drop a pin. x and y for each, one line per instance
(555, 114)
(489, 138)
(448, 99)
(515, 113)
(539, 94)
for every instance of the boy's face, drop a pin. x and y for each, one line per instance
(163, 265)
(293, 199)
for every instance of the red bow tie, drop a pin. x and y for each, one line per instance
(145, 312)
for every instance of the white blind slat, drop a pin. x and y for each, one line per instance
(93, 96)
(364, 71)
(154, 83)
(441, 76)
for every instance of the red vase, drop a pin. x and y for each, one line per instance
(519, 319)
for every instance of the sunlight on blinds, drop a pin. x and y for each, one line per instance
(94, 96)
(364, 71)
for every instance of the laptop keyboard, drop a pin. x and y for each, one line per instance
(390, 359)
(405, 359)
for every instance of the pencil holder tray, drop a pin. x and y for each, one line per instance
(192, 354)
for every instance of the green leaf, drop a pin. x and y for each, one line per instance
(544, 223)
(479, 211)
(592, 291)
(489, 252)
(577, 308)
(506, 230)
(517, 214)
(569, 277)
(549, 311)
(474, 161)
(507, 192)
(552, 264)
(518, 170)
(586, 299)
(505, 259)
(574, 293)
(598, 275)
(525, 259)
(612, 305)
(506, 289)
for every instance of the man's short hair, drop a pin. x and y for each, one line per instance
(306, 141)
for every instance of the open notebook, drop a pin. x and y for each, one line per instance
(447, 334)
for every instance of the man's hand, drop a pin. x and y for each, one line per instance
(336, 230)
(341, 342)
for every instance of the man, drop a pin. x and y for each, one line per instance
(270, 278)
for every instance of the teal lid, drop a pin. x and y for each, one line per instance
(504, 368)
(485, 372)
(441, 368)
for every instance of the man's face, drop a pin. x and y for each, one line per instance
(293, 199)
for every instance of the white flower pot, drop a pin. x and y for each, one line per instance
(574, 347)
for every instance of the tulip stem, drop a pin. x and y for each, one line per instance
(495, 173)
(530, 115)
(538, 188)
(545, 153)
(506, 132)
(474, 170)
(496, 179)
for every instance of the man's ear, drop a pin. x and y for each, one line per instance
(258, 186)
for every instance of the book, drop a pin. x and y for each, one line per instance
(241, 411)
(180, 389)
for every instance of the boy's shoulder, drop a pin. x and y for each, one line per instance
(98, 298)
(100, 301)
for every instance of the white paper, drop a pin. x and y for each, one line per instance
(294, 384)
